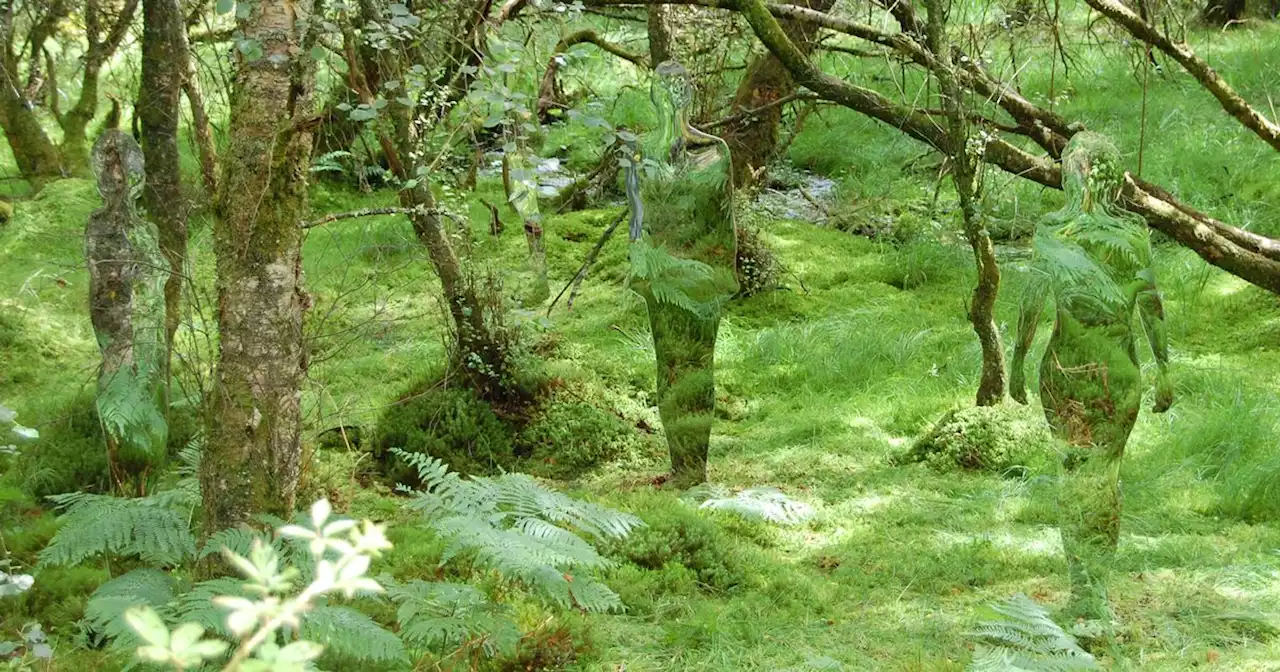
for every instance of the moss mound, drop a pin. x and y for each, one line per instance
(984, 438)
(566, 438)
(677, 534)
(448, 423)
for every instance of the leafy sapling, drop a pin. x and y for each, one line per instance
(341, 551)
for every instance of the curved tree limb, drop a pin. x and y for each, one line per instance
(549, 94)
(1232, 102)
(1249, 261)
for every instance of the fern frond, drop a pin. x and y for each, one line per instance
(448, 616)
(154, 528)
(526, 531)
(351, 635)
(1026, 639)
(105, 609)
(763, 503)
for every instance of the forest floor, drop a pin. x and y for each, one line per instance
(820, 385)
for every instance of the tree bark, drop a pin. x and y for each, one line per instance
(659, 34)
(36, 155)
(164, 58)
(963, 167)
(754, 139)
(201, 128)
(252, 453)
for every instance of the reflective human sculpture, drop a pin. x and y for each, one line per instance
(127, 273)
(1096, 262)
(683, 253)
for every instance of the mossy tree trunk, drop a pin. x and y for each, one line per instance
(991, 385)
(35, 153)
(201, 127)
(252, 454)
(659, 34)
(103, 38)
(754, 139)
(164, 61)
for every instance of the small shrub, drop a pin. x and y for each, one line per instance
(451, 424)
(983, 438)
(677, 533)
(566, 439)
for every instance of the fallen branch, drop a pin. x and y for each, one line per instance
(586, 264)
(747, 114)
(376, 212)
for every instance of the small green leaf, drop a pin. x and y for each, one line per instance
(225, 6)
(147, 623)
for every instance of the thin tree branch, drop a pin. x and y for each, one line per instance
(1232, 102)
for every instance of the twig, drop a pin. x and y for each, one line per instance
(586, 264)
(374, 212)
(747, 114)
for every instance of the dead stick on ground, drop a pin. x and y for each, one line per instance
(586, 264)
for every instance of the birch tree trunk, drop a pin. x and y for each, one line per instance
(252, 452)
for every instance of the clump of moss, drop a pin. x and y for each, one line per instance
(983, 438)
(677, 534)
(565, 439)
(449, 423)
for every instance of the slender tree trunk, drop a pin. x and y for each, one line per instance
(754, 139)
(164, 55)
(659, 34)
(75, 124)
(963, 166)
(252, 454)
(201, 128)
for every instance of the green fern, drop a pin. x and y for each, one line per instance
(104, 611)
(522, 529)
(350, 635)
(154, 528)
(761, 503)
(672, 280)
(446, 617)
(1026, 639)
